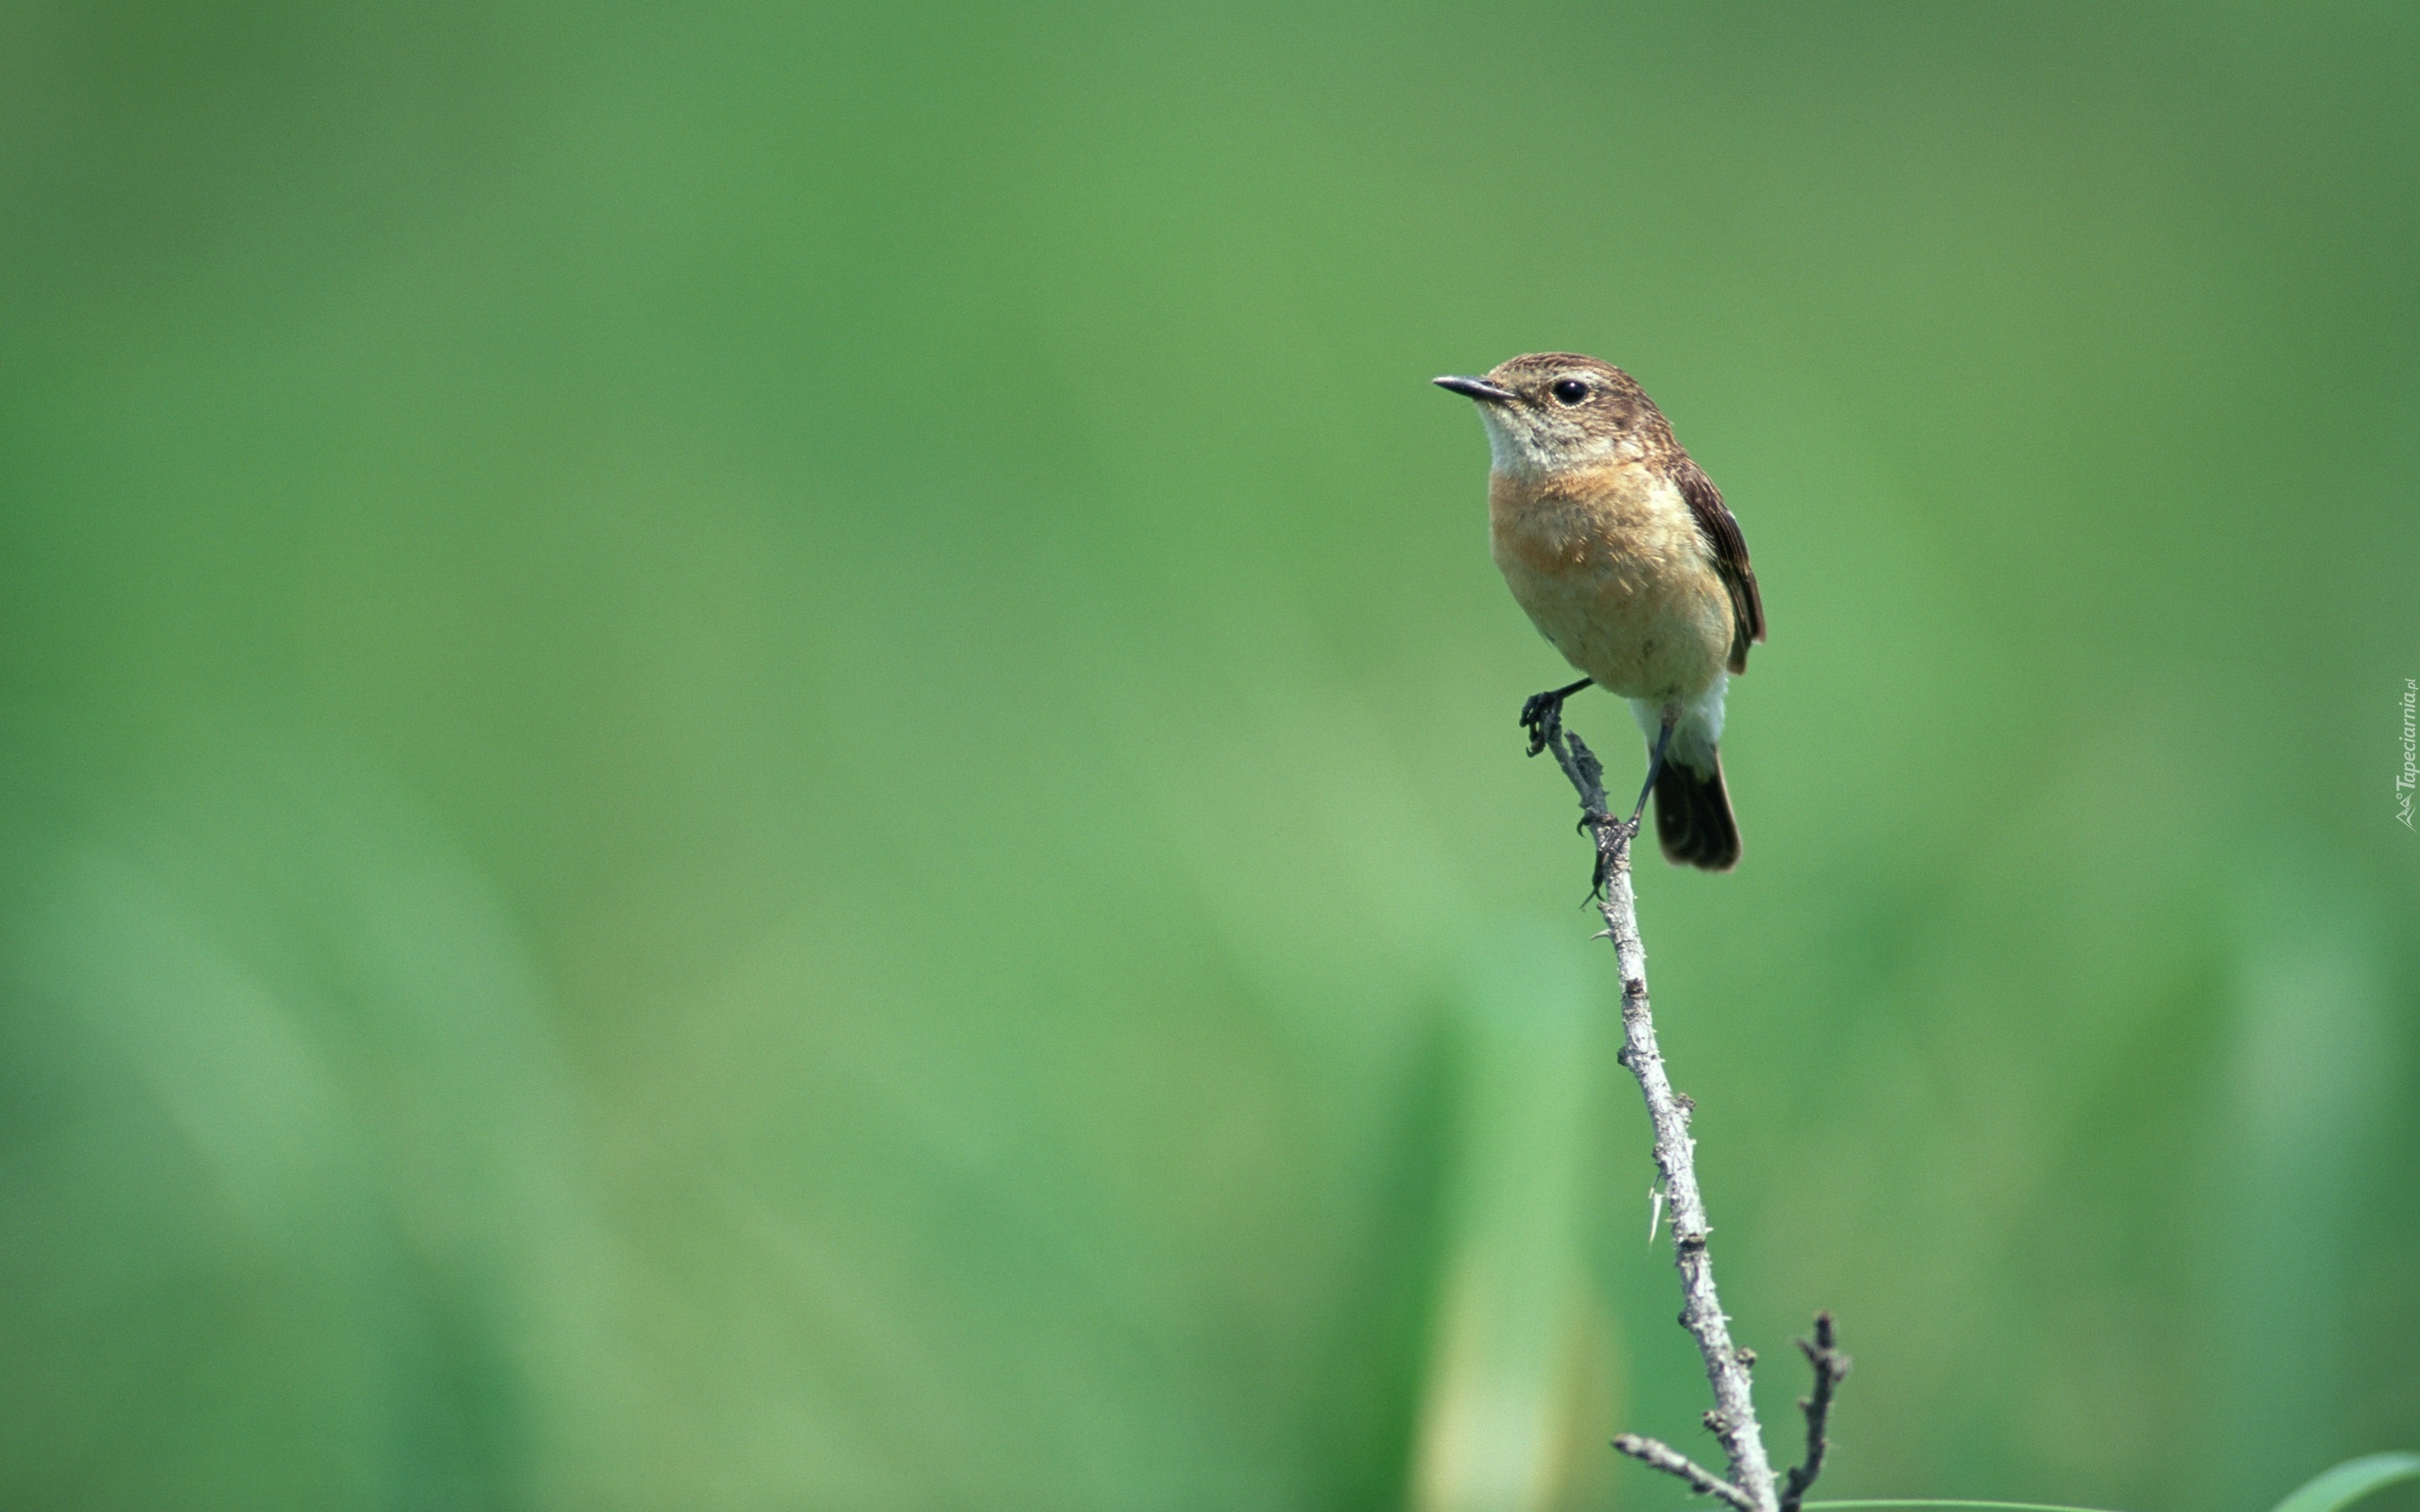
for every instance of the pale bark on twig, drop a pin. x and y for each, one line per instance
(1734, 1418)
(1672, 1462)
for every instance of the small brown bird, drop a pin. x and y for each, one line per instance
(1630, 565)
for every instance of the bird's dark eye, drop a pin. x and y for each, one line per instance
(1570, 390)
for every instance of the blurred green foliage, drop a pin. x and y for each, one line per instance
(2341, 1486)
(761, 756)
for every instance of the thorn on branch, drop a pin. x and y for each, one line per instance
(1672, 1462)
(1830, 1366)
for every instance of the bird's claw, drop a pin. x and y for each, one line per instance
(1612, 836)
(1543, 713)
(1541, 709)
(1533, 721)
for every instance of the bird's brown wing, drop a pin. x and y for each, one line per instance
(1730, 559)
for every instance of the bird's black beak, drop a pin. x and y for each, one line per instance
(1479, 388)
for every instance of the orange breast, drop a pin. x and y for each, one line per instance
(1611, 569)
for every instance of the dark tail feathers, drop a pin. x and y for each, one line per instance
(1693, 817)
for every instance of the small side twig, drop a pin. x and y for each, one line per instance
(1672, 1462)
(1831, 1365)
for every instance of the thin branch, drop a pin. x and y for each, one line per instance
(1672, 1462)
(1734, 1418)
(1830, 1366)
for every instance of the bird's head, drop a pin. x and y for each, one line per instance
(1550, 412)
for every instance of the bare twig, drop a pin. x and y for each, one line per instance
(1672, 1462)
(1734, 1418)
(1831, 1365)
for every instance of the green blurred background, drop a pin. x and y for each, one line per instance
(761, 756)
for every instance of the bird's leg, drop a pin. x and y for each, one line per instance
(1654, 769)
(1623, 832)
(1542, 710)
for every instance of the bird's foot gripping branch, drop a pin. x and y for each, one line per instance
(1752, 1484)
